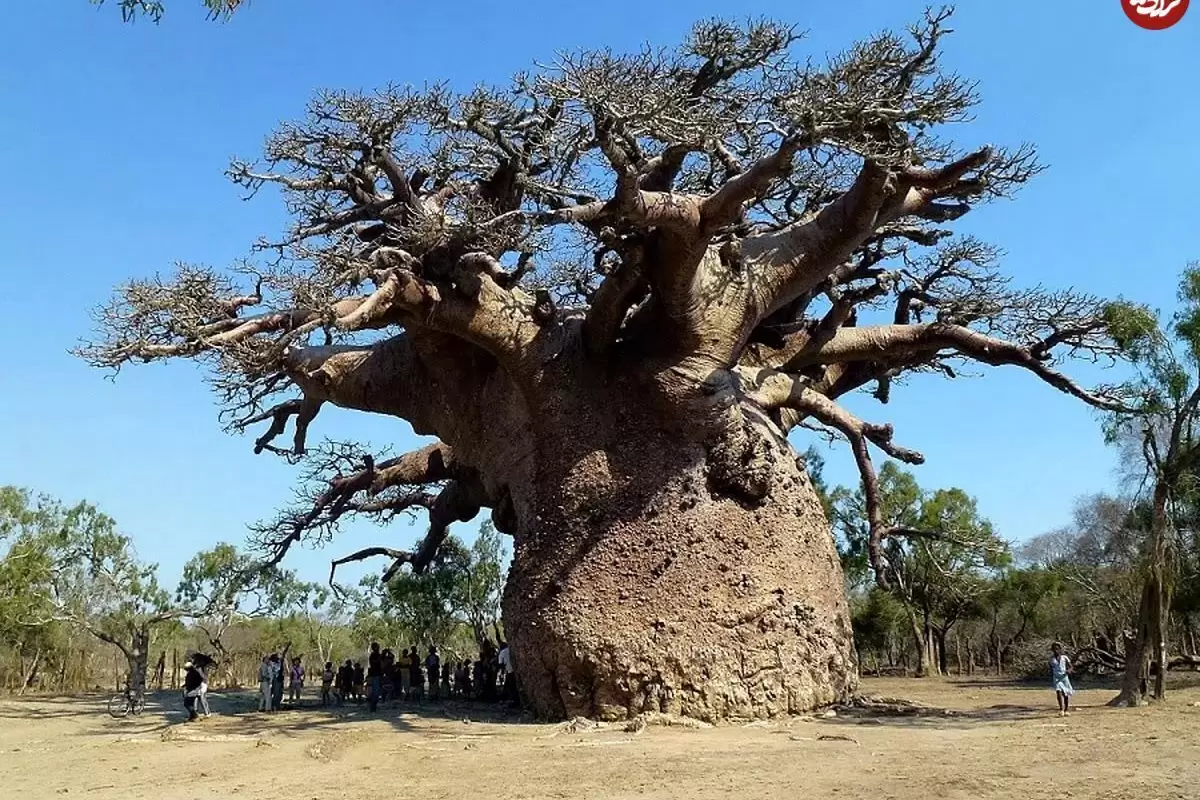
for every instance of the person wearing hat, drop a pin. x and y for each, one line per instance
(192, 679)
(203, 664)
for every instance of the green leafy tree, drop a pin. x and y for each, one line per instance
(1160, 433)
(460, 588)
(939, 553)
(88, 574)
(223, 586)
(28, 629)
(1011, 606)
(482, 568)
(880, 622)
(898, 507)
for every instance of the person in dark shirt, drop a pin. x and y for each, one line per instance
(191, 689)
(374, 676)
(345, 681)
(357, 690)
(278, 672)
(478, 678)
(463, 683)
(389, 673)
(416, 674)
(433, 669)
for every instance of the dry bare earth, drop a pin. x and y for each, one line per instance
(1000, 741)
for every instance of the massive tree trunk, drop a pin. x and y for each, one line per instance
(655, 572)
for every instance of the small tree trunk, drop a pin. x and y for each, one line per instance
(1137, 655)
(939, 638)
(160, 669)
(1158, 631)
(1149, 639)
(31, 675)
(922, 651)
(929, 652)
(138, 658)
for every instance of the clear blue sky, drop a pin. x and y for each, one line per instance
(113, 139)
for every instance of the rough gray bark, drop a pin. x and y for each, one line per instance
(651, 583)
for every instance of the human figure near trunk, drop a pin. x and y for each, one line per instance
(264, 684)
(374, 676)
(1060, 676)
(433, 669)
(389, 675)
(507, 674)
(345, 682)
(296, 682)
(327, 676)
(278, 670)
(202, 697)
(192, 679)
(416, 674)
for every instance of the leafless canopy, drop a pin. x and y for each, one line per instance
(725, 209)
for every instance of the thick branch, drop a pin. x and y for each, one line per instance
(726, 205)
(900, 343)
(619, 292)
(459, 501)
(785, 264)
(777, 390)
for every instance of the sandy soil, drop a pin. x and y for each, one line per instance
(998, 741)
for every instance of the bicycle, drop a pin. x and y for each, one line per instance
(126, 703)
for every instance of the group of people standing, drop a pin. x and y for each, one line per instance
(413, 678)
(408, 676)
(271, 674)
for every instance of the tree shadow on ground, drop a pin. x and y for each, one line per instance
(236, 714)
(916, 716)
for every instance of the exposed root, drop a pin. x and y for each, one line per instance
(177, 733)
(866, 706)
(636, 725)
(838, 738)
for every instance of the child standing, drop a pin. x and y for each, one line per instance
(1060, 676)
(296, 685)
(327, 684)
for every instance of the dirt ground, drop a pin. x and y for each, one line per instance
(995, 740)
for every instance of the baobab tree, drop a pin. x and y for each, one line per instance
(610, 289)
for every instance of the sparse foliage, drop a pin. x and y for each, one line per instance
(154, 9)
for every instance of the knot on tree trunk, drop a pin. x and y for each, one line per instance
(741, 463)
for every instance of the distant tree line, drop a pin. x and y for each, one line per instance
(1119, 585)
(79, 609)
(965, 601)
